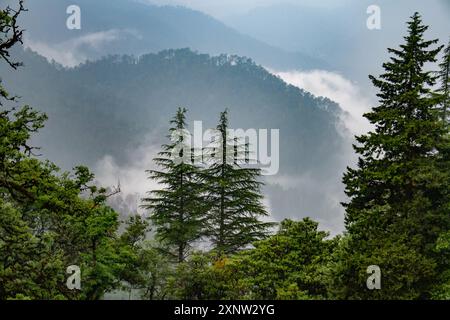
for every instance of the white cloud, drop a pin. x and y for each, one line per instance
(337, 88)
(318, 198)
(132, 176)
(68, 58)
(70, 53)
(324, 207)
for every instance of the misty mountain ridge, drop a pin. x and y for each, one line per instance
(115, 112)
(134, 28)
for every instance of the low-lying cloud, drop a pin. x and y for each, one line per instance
(307, 194)
(132, 176)
(337, 88)
(73, 52)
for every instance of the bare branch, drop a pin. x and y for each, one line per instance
(9, 27)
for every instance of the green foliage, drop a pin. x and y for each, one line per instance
(147, 266)
(233, 194)
(405, 272)
(154, 273)
(25, 257)
(190, 278)
(399, 194)
(178, 210)
(291, 264)
(221, 202)
(444, 82)
(10, 34)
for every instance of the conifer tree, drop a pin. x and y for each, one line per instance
(442, 288)
(233, 194)
(444, 89)
(399, 194)
(177, 209)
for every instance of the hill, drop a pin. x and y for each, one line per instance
(132, 27)
(119, 107)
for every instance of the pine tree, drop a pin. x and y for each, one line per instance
(442, 288)
(445, 82)
(177, 210)
(233, 194)
(399, 194)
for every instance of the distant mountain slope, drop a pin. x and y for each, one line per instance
(115, 105)
(130, 27)
(338, 34)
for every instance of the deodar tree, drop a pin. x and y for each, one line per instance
(233, 194)
(399, 193)
(177, 209)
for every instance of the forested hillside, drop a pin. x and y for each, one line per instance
(134, 27)
(117, 104)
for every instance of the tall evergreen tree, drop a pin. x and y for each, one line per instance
(399, 194)
(233, 194)
(442, 289)
(177, 210)
(444, 78)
